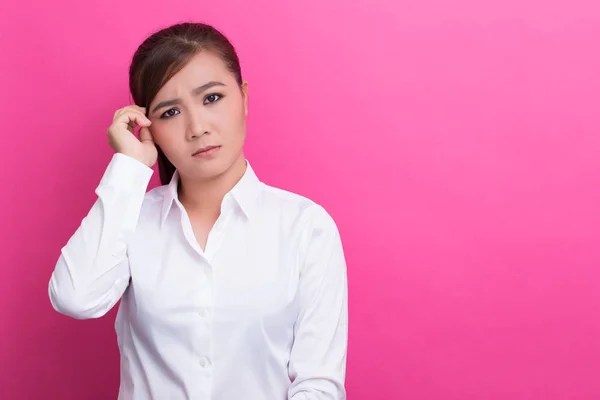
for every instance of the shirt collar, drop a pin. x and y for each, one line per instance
(244, 193)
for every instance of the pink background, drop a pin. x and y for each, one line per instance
(455, 143)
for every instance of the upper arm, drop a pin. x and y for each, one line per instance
(318, 359)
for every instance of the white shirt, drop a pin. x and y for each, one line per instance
(260, 315)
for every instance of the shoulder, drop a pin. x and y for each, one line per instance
(317, 239)
(309, 214)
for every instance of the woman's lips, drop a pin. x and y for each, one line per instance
(206, 152)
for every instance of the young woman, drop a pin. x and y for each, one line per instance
(230, 289)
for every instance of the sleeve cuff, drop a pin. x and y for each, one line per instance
(126, 174)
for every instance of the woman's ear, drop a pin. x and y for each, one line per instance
(244, 89)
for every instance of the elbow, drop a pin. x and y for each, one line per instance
(316, 394)
(68, 302)
(317, 387)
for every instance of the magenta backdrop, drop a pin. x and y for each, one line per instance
(455, 143)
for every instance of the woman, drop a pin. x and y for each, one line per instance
(230, 289)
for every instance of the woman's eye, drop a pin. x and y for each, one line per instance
(170, 113)
(211, 98)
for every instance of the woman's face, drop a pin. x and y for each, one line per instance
(199, 118)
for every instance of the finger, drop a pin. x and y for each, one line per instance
(134, 118)
(142, 121)
(141, 110)
(128, 110)
(135, 108)
(146, 136)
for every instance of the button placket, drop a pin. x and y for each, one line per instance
(205, 302)
(204, 362)
(217, 234)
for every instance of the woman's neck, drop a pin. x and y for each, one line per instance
(205, 197)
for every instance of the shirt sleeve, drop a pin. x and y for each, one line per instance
(317, 365)
(92, 271)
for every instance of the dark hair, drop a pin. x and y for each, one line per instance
(165, 53)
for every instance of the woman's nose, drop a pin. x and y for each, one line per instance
(196, 126)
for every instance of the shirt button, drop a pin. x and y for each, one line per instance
(204, 362)
(202, 313)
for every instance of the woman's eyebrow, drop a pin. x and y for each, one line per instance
(206, 86)
(196, 91)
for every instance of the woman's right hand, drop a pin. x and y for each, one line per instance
(121, 135)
